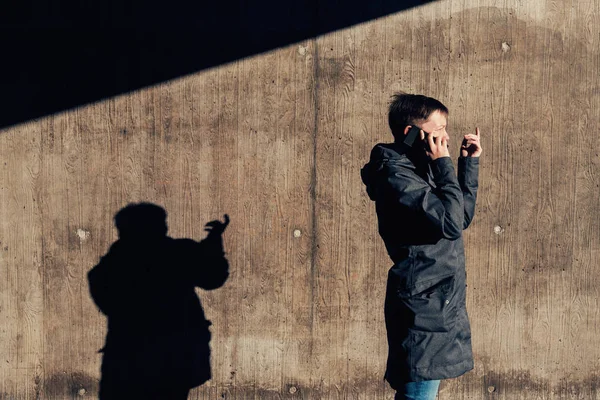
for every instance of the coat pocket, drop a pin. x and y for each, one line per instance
(432, 309)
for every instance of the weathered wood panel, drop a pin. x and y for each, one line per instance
(277, 141)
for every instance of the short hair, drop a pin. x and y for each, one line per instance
(141, 220)
(411, 109)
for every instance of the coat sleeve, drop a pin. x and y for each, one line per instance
(468, 178)
(442, 209)
(207, 266)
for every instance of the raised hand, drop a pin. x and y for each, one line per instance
(471, 145)
(217, 227)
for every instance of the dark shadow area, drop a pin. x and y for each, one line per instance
(62, 54)
(157, 345)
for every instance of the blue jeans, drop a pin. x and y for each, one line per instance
(425, 390)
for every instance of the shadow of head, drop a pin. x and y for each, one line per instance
(141, 221)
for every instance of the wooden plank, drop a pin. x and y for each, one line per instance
(352, 264)
(262, 338)
(21, 306)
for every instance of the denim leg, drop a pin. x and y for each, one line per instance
(425, 390)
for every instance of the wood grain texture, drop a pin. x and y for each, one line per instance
(277, 141)
(21, 288)
(350, 258)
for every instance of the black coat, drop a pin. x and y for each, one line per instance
(422, 209)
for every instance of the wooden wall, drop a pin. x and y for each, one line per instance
(277, 142)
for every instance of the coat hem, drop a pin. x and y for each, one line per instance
(430, 373)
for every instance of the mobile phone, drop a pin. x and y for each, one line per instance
(412, 134)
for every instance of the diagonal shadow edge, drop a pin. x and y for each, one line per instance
(55, 62)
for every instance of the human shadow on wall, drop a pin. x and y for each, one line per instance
(157, 344)
(65, 53)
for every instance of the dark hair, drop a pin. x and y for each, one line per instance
(408, 109)
(141, 220)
